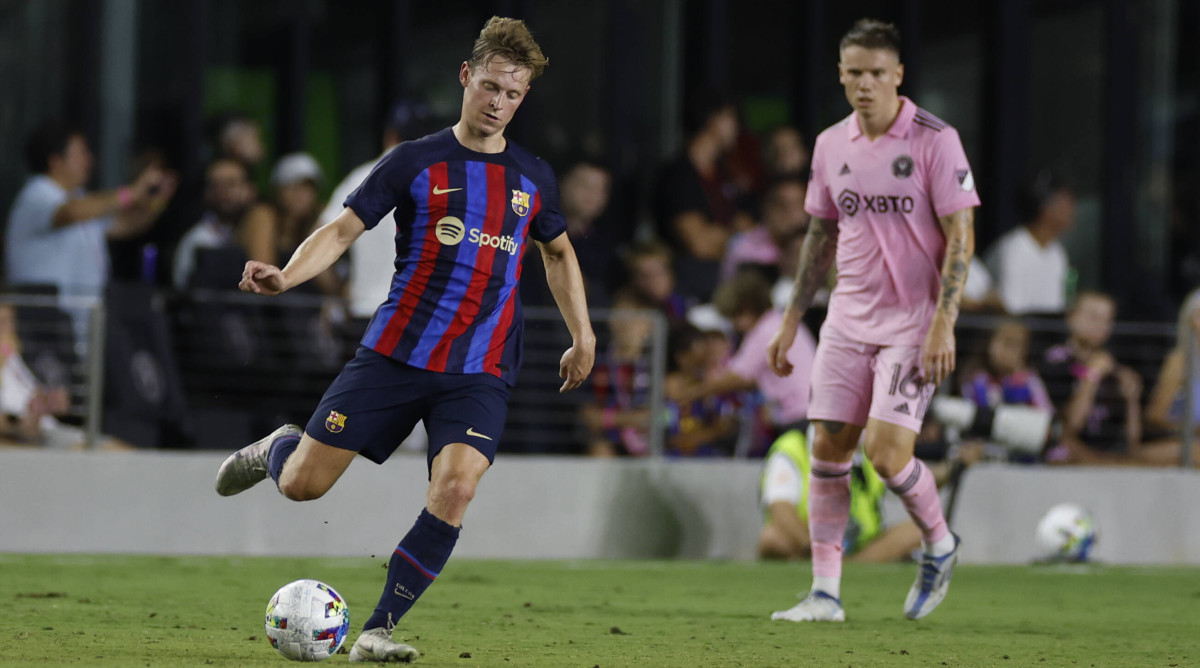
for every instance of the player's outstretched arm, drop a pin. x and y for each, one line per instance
(566, 283)
(318, 252)
(816, 257)
(938, 353)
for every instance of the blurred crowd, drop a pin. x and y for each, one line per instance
(715, 258)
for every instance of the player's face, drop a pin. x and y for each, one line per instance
(871, 78)
(492, 93)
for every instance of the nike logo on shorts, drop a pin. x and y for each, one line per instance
(471, 432)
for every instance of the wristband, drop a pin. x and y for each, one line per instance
(124, 197)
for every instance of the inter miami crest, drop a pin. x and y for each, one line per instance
(336, 422)
(520, 202)
(902, 167)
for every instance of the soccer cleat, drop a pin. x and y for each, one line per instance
(376, 645)
(816, 607)
(248, 467)
(933, 579)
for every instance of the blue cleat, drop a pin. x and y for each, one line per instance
(933, 579)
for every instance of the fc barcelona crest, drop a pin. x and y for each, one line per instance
(336, 422)
(520, 202)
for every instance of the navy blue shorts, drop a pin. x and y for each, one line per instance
(375, 402)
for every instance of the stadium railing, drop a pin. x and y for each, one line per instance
(58, 338)
(246, 363)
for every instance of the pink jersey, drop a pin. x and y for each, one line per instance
(887, 196)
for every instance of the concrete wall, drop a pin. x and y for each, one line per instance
(529, 507)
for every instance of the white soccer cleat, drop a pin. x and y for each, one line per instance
(377, 646)
(933, 580)
(248, 467)
(816, 607)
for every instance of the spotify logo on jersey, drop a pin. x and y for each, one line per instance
(450, 230)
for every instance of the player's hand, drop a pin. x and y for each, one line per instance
(780, 344)
(937, 355)
(575, 365)
(262, 279)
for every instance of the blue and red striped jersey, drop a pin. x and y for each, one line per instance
(462, 222)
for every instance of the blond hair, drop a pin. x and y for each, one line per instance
(511, 40)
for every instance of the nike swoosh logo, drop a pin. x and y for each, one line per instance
(471, 432)
(439, 191)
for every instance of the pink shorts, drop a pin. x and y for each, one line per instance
(852, 382)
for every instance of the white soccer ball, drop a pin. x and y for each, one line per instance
(307, 620)
(1066, 533)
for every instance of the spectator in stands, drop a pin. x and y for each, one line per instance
(1098, 399)
(785, 154)
(980, 294)
(652, 278)
(745, 300)
(228, 195)
(1166, 410)
(238, 136)
(783, 218)
(1029, 264)
(696, 427)
(696, 203)
(57, 233)
(619, 416)
(784, 498)
(274, 230)
(371, 257)
(583, 195)
(1002, 375)
(28, 408)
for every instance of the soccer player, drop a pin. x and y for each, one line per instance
(446, 344)
(892, 195)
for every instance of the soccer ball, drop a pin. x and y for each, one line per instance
(307, 620)
(1066, 533)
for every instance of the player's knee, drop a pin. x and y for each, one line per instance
(299, 487)
(455, 491)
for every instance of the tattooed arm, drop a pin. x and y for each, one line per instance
(816, 257)
(937, 355)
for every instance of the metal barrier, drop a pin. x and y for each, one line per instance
(57, 339)
(246, 363)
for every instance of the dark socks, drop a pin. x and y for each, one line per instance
(414, 566)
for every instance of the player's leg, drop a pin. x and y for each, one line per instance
(841, 395)
(309, 471)
(369, 408)
(897, 411)
(464, 425)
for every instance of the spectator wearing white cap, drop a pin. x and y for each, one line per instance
(274, 229)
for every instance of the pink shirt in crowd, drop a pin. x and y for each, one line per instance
(887, 196)
(754, 246)
(787, 397)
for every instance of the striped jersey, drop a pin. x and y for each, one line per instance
(463, 220)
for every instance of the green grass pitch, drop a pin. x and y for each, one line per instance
(201, 611)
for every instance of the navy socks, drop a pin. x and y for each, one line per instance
(414, 566)
(281, 449)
